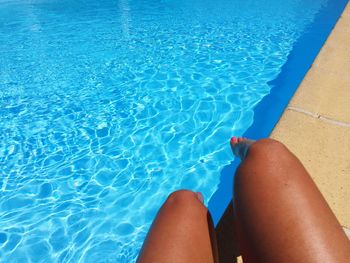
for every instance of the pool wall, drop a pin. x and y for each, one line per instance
(272, 106)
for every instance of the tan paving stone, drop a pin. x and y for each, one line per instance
(346, 14)
(325, 94)
(324, 150)
(326, 88)
(334, 54)
(344, 19)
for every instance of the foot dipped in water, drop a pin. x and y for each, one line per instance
(240, 146)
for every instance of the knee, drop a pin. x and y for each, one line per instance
(269, 148)
(266, 156)
(185, 199)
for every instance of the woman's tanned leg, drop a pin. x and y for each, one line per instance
(281, 214)
(182, 232)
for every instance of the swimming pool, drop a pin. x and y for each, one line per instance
(107, 107)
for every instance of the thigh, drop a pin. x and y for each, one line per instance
(282, 215)
(182, 232)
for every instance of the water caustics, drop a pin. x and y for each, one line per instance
(108, 106)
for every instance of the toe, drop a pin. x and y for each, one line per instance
(233, 140)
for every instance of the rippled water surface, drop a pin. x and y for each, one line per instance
(107, 106)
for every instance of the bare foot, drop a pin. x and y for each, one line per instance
(240, 146)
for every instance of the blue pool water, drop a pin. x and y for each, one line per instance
(108, 106)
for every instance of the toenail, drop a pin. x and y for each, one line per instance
(233, 139)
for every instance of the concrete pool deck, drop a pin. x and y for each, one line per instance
(316, 123)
